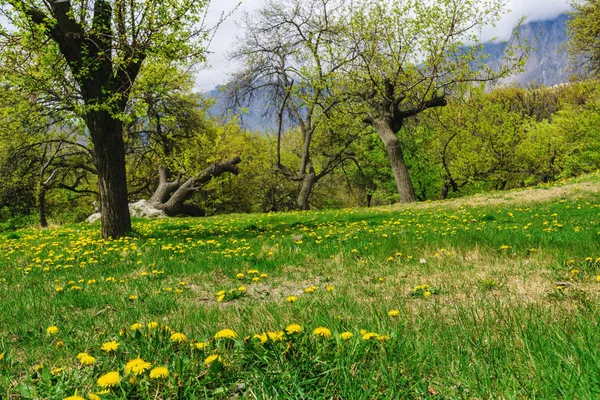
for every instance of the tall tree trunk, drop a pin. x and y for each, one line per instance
(307, 186)
(444, 193)
(109, 152)
(396, 157)
(42, 207)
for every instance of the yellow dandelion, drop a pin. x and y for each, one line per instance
(152, 325)
(93, 396)
(262, 337)
(291, 299)
(74, 397)
(330, 288)
(293, 328)
(178, 337)
(59, 344)
(240, 276)
(382, 338)
(346, 335)
(226, 334)
(109, 380)
(212, 358)
(56, 371)
(159, 372)
(136, 327)
(200, 345)
(52, 330)
(242, 289)
(323, 332)
(113, 345)
(393, 313)
(138, 366)
(369, 336)
(86, 359)
(427, 294)
(276, 336)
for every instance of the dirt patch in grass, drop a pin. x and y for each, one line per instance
(520, 196)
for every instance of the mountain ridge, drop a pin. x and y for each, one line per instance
(547, 64)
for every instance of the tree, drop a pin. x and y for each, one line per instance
(410, 55)
(290, 54)
(41, 152)
(97, 49)
(584, 31)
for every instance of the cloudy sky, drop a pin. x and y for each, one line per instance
(219, 68)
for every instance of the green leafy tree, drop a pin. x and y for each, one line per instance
(410, 56)
(584, 30)
(86, 56)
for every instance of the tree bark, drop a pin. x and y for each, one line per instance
(109, 152)
(42, 207)
(307, 185)
(396, 157)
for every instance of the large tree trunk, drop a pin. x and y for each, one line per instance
(170, 196)
(42, 207)
(109, 152)
(396, 157)
(307, 186)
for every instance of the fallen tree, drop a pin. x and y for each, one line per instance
(171, 195)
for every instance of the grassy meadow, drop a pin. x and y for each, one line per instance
(491, 296)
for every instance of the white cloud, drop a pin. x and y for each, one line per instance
(207, 79)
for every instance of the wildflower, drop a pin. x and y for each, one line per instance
(93, 396)
(86, 359)
(113, 345)
(56, 371)
(136, 327)
(240, 276)
(52, 330)
(133, 297)
(109, 380)
(346, 335)
(253, 271)
(393, 313)
(242, 289)
(369, 336)
(178, 337)
(323, 332)
(276, 336)
(212, 358)
(74, 397)
(159, 372)
(427, 294)
(152, 325)
(309, 289)
(263, 275)
(59, 289)
(291, 299)
(255, 279)
(293, 328)
(201, 345)
(137, 366)
(59, 344)
(226, 334)
(382, 338)
(262, 337)
(330, 288)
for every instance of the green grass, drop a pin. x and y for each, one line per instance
(510, 309)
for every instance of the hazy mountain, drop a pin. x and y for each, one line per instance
(547, 64)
